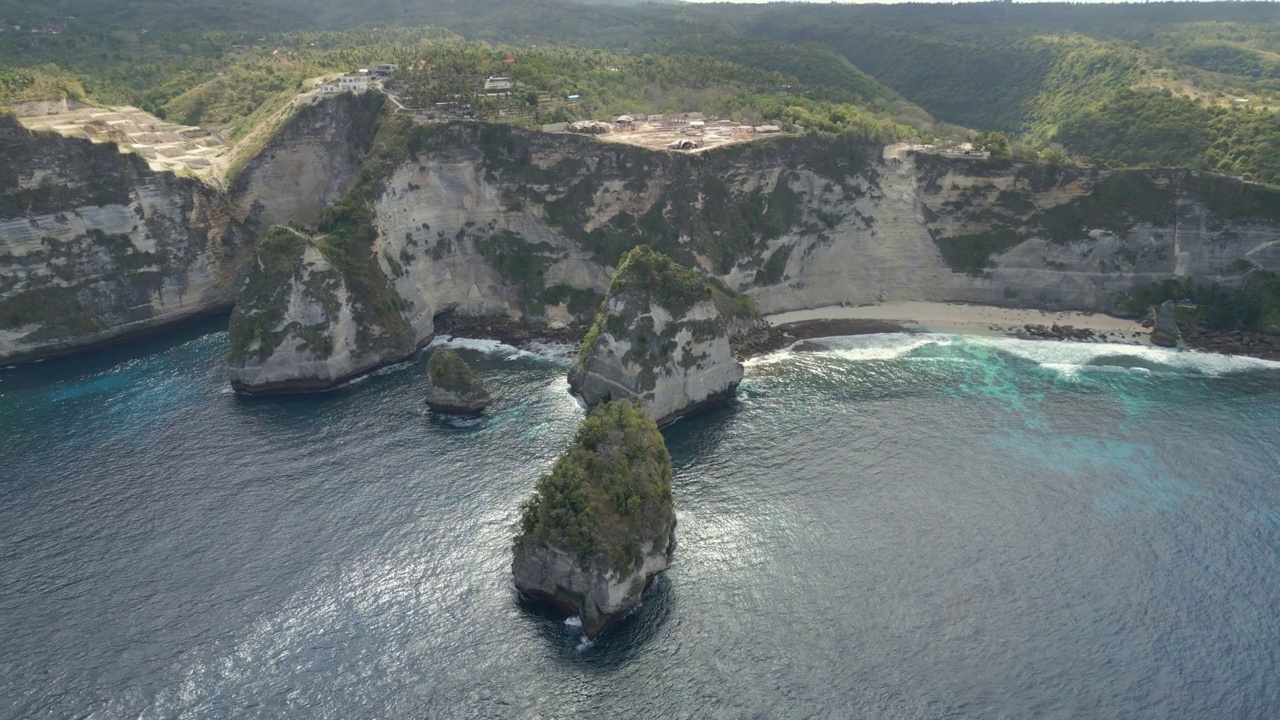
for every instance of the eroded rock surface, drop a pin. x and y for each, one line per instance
(662, 339)
(494, 221)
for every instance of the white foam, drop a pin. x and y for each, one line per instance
(875, 346)
(1067, 358)
(549, 349)
(573, 621)
(489, 347)
(534, 350)
(880, 346)
(1071, 357)
(584, 644)
(384, 370)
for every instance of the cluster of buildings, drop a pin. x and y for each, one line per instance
(360, 80)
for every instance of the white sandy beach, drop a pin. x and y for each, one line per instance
(963, 319)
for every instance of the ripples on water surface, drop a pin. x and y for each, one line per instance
(899, 526)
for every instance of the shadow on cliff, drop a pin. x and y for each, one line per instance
(622, 641)
(119, 351)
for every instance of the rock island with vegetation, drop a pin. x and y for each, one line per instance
(661, 338)
(602, 523)
(455, 388)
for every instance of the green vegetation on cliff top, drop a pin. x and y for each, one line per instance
(1138, 85)
(659, 279)
(448, 371)
(609, 495)
(1189, 85)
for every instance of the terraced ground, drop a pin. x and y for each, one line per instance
(164, 145)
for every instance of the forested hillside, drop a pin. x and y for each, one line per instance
(1186, 84)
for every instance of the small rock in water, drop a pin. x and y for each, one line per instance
(455, 389)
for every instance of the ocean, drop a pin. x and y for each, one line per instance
(893, 526)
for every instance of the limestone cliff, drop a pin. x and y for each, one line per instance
(307, 164)
(308, 319)
(661, 339)
(491, 220)
(94, 245)
(602, 523)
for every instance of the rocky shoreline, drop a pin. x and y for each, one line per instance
(1259, 345)
(1072, 333)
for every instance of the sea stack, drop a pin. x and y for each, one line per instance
(454, 388)
(602, 523)
(661, 338)
(1166, 333)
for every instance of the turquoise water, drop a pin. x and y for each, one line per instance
(899, 526)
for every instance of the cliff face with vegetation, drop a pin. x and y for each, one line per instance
(661, 338)
(488, 220)
(602, 523)
(94, 245)
(300, 324)
(306, 164)
(930, 228)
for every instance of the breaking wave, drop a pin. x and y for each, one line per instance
(1066, 358)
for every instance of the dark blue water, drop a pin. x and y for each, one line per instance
(902, 527)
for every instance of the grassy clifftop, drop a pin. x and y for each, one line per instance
(610, 494)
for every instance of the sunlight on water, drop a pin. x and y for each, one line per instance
(890, 526)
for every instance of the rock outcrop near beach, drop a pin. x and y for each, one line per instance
(661, 338)
(454, 387)
(602, 523)
(1166, 333)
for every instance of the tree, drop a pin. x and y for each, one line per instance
(993, 142)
